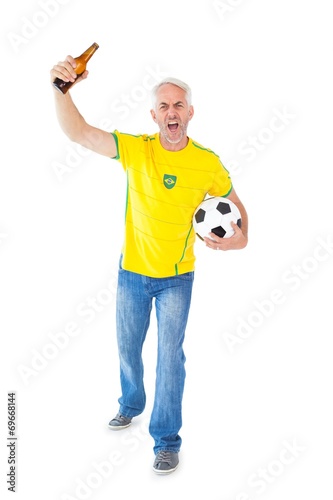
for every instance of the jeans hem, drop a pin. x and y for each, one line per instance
(173, 450)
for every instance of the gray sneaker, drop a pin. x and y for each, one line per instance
(120, 422)
(165, 462)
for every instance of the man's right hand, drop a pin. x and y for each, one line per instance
(65, 71)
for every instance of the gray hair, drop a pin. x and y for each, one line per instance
(173, 81)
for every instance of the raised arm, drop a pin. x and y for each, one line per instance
(71, 121)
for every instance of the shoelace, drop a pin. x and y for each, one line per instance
(121, 419)
(164, 456)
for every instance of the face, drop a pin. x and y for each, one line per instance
(172, 114)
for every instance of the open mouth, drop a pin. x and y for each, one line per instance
(173, 126)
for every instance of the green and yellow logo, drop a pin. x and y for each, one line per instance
(169, 181)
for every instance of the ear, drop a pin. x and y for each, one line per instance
(153, 114)
(191, 113)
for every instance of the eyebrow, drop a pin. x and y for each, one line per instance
(166, 104)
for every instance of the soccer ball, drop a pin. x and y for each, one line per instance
(214, 215)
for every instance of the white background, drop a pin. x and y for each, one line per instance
(60, 238)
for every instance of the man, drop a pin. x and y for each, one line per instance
(168, 175)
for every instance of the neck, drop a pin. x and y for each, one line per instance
(169, 146)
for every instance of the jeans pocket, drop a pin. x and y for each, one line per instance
(186, 276)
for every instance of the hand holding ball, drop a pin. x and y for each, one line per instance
(214, 215)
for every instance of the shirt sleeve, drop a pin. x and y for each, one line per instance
(222, 184)
(128, 146)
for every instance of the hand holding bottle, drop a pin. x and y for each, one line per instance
(72, 70)
(65, 71)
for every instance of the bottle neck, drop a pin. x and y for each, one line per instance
(89, 52)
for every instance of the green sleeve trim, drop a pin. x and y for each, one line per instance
(132, 135)
(117, 146)
(225, 195)
(127, 189)
(204, 149)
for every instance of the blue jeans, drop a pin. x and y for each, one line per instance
(135, 294)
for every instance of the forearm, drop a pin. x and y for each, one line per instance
(70, 120)
(78, 130)
(235, 199)
(244, 217)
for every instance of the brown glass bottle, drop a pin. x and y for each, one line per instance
(81, 64)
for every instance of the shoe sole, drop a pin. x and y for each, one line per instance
(161, 472)
(118, 427)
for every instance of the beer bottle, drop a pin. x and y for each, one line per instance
(81, 64)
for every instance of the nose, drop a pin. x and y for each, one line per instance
(172, 114)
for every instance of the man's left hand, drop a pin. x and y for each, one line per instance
(236, 242)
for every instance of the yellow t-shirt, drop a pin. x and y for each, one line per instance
(163, 190)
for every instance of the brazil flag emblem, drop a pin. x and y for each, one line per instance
(169, 181)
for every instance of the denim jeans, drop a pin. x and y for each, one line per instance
(135, 294)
